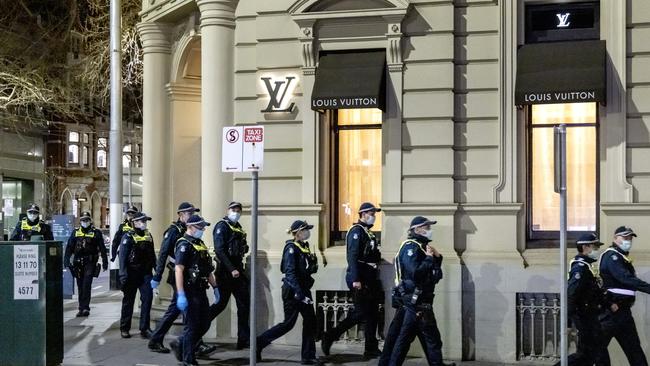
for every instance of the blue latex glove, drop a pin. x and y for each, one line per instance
(217, 295)
(181, 301)
(154, 284)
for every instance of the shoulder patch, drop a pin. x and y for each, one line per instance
(218, 231)
(166, 235)
(614, 257)
(290, 250)
(577, 276)
(355, 236)
(581, 264)
(409, 252)
(183, 248)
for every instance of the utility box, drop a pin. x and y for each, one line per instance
(31, 303)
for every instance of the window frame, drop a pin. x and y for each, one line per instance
(337, 237)
(550, 239)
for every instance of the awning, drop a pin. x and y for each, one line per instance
(346, 80)
(562, 72)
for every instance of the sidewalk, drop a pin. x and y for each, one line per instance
(96, 341)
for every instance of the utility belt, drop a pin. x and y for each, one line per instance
(372, 265)
(621, 297)
(196, 278)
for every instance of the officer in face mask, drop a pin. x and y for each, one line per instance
(620, 281)
(125, 227)
(298, 266)
(362, 277)
(82, 252)
(166, 258)
(193, 272)
(230, 247)
(417, 271)
(32, 225)
(585, 302)
(137, 261)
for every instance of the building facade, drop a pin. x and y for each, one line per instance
(436, 108)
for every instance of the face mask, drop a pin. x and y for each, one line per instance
(198, 234)
(85, 224)
(140, 225)
(32, 217)
(234, 216)
(595, 254)
(626, 245)
(428, 234)
(305, 235)
(370, 220)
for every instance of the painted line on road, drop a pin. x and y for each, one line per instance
(96, 287)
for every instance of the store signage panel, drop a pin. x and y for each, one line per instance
(280, 92)
(345, 103)
(562, 22)
(561, 97)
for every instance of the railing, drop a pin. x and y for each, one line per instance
(334, 306)
(538, 327)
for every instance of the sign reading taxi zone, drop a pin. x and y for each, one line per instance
(242, 149)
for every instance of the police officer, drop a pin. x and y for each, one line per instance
(82, 252)
(585, 301)
(137, 261)
(125, 227)
(230, 248)
(193, 272)
(417, 270)
(298, 266)
(32, 225)
(166, 258)
(362, 278)
(620, 281)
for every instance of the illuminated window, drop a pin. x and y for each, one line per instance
(102, 146)
(73, 137)
(356, 169)
(73, 154)
(126, 156)
(582, 170)
(84, 155)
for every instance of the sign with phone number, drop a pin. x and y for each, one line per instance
(26, 270)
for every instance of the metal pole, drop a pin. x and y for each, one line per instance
(130, 179)
(115, 136)
(253, 317)
(560, 187)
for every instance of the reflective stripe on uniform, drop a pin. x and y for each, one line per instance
(622, 291)
(24, 225)
(80, 234)
(398, 269)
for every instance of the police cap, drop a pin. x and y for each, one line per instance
(34, 208)
(421, 221)
(132, 210)
(234, 204)
(368, 207)
(141, 216)
(85, 216)
(187, 207)
(197, 221)
(299, 225)
(588, 239)
(624, 231)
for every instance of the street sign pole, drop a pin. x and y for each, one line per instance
(560, 187)
(253, 314)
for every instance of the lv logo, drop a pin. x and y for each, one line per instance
(563, 20)
(277, 92)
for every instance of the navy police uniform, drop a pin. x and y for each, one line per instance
(363, 257)
(230, 247)
(167, 258)
(124, 228)
(194, 257)
(620, 281)
(585, 302)
(416, 277)
(26, 228)
(298, 266)
(82, 253)
(137, 261)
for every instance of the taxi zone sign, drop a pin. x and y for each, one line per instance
(242, 149)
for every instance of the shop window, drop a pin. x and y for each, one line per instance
(582, 170)
(357, 164)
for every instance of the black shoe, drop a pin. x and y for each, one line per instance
(243, 345)
(370, 354)
(158, 347)
(449, 364)
(176, 348)
(86, 313)
(204, 350)
(258, 355)
(125, 334)
(326, 345)
(80, 314)
(311, 361)
(146, 334)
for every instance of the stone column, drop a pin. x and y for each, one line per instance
(155, 126)
(217, 96)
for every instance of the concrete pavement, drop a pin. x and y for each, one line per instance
(96, 341)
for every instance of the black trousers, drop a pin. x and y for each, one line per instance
(133, 284)
(393, 332)
(237, 287)
(167, 320)
(620, 325)
(197, 321)
(590, 347)
(85, 285)
(420, 323)
(292, 308)
(366, 310)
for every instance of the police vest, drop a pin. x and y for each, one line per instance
(237, 242)
(311, 261)
(371, 254)
(201, 263)
(396, 263)
(27, 230)
(142, 246)
(591, 268)
(613, 285)
(84, 242)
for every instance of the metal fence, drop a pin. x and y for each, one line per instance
(538, 327)
(334, 306)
